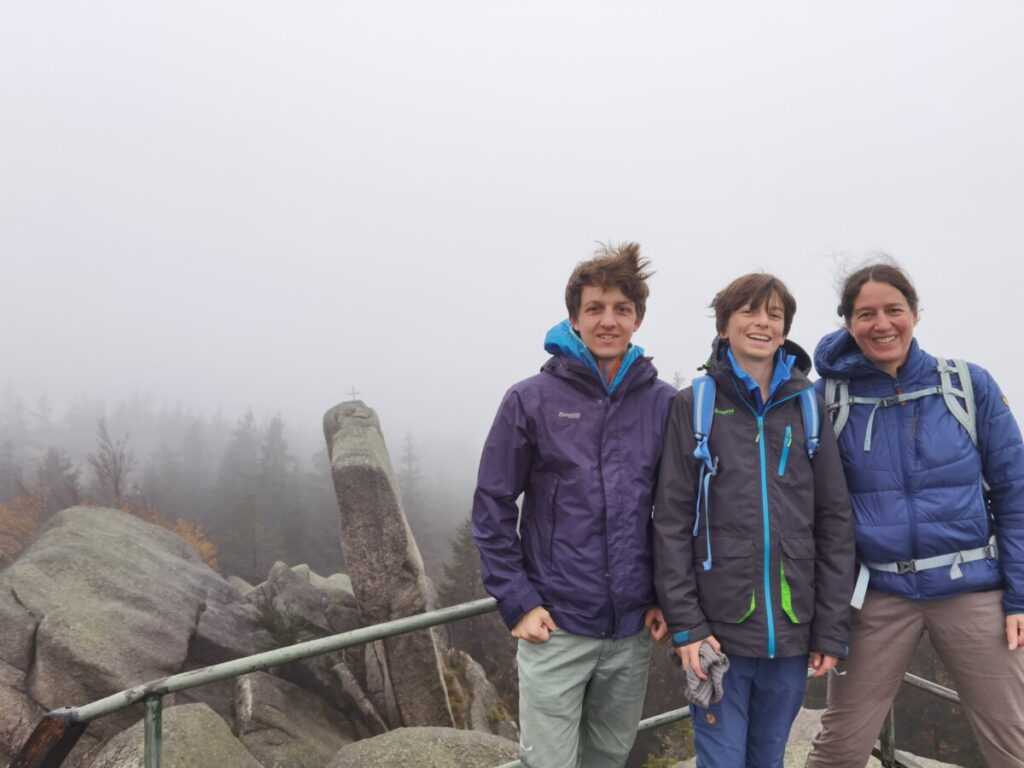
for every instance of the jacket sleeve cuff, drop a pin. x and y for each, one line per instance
(828, 646)
(681, 637)
(513, 609)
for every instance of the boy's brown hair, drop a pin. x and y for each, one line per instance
(755, 290)
(612, 267)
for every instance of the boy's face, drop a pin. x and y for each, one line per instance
(756, 333)
(606, 321)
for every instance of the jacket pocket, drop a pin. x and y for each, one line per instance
(787, 441)
(726, 591)
(796, 575)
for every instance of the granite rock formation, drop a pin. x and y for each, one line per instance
(383, 561)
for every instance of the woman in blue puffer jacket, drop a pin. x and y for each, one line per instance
(942, 553)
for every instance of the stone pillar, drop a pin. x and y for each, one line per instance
(383, 562)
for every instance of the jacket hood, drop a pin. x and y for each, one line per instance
(562, 340)
(837, 356)
(719, 345)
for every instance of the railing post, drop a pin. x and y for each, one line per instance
(154, 730)
(887, 741)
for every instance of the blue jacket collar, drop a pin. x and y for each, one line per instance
(780, 374)
(562, 340)
(837, 356)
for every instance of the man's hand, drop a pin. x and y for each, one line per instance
(689, 655)
(1015, 631)
(821, 663)
(655, 623)
(535, 625)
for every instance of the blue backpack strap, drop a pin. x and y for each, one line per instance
(703, 414)
(812, 421)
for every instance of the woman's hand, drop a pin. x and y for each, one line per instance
(689, 655)
(822, 663)
(1015, 631)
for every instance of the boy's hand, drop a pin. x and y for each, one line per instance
(822, 663)
(535, 625)
(654, 620)
(689, 655)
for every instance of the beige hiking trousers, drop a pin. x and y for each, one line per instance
(969, 634)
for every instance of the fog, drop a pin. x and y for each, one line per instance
(231, 204)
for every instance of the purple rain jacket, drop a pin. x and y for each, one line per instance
(585, 456)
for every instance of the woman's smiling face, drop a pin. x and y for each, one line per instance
(882, 323)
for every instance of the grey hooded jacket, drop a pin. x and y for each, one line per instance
(782, 541)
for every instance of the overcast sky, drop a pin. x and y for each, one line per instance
(263, 203)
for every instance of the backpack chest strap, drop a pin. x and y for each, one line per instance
(882, 402)
(952, 559)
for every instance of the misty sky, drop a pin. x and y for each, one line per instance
(251, 203)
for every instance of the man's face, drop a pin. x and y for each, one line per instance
(606, 322)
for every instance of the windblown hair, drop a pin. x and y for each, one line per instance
(878, 272)
(612, 267)
(755, 290)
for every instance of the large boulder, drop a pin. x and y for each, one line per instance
(194, 736)
(284, 726)
(383, 561)
(427, 748)
(315, 606)
(114, 601)
(103, 601)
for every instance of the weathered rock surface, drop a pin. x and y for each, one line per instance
(383, 561)
(102, 601)
(427, 748)
(284, 726)
(194, 736)
(481, 707)
(318, 603)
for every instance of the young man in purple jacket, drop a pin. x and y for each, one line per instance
(572, 571)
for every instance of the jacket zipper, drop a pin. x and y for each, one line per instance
(766, 569)
(786, 442)
(765, 520)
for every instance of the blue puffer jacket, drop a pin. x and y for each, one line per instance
(918, 492)
(586, 458)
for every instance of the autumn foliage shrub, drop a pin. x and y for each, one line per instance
(19, 521)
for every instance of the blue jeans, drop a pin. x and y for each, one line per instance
(749, 727)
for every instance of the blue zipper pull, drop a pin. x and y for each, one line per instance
(786, 442)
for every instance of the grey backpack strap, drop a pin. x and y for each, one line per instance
(966, 413)
(837, 402)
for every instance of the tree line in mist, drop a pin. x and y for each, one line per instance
(233, 485)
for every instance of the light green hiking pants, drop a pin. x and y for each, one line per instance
(580, 699)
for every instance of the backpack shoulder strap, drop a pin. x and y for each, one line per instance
(837, 402)
(703, 414)
(966, 414)
(812, 420)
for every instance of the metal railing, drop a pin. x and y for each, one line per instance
(58, 732)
